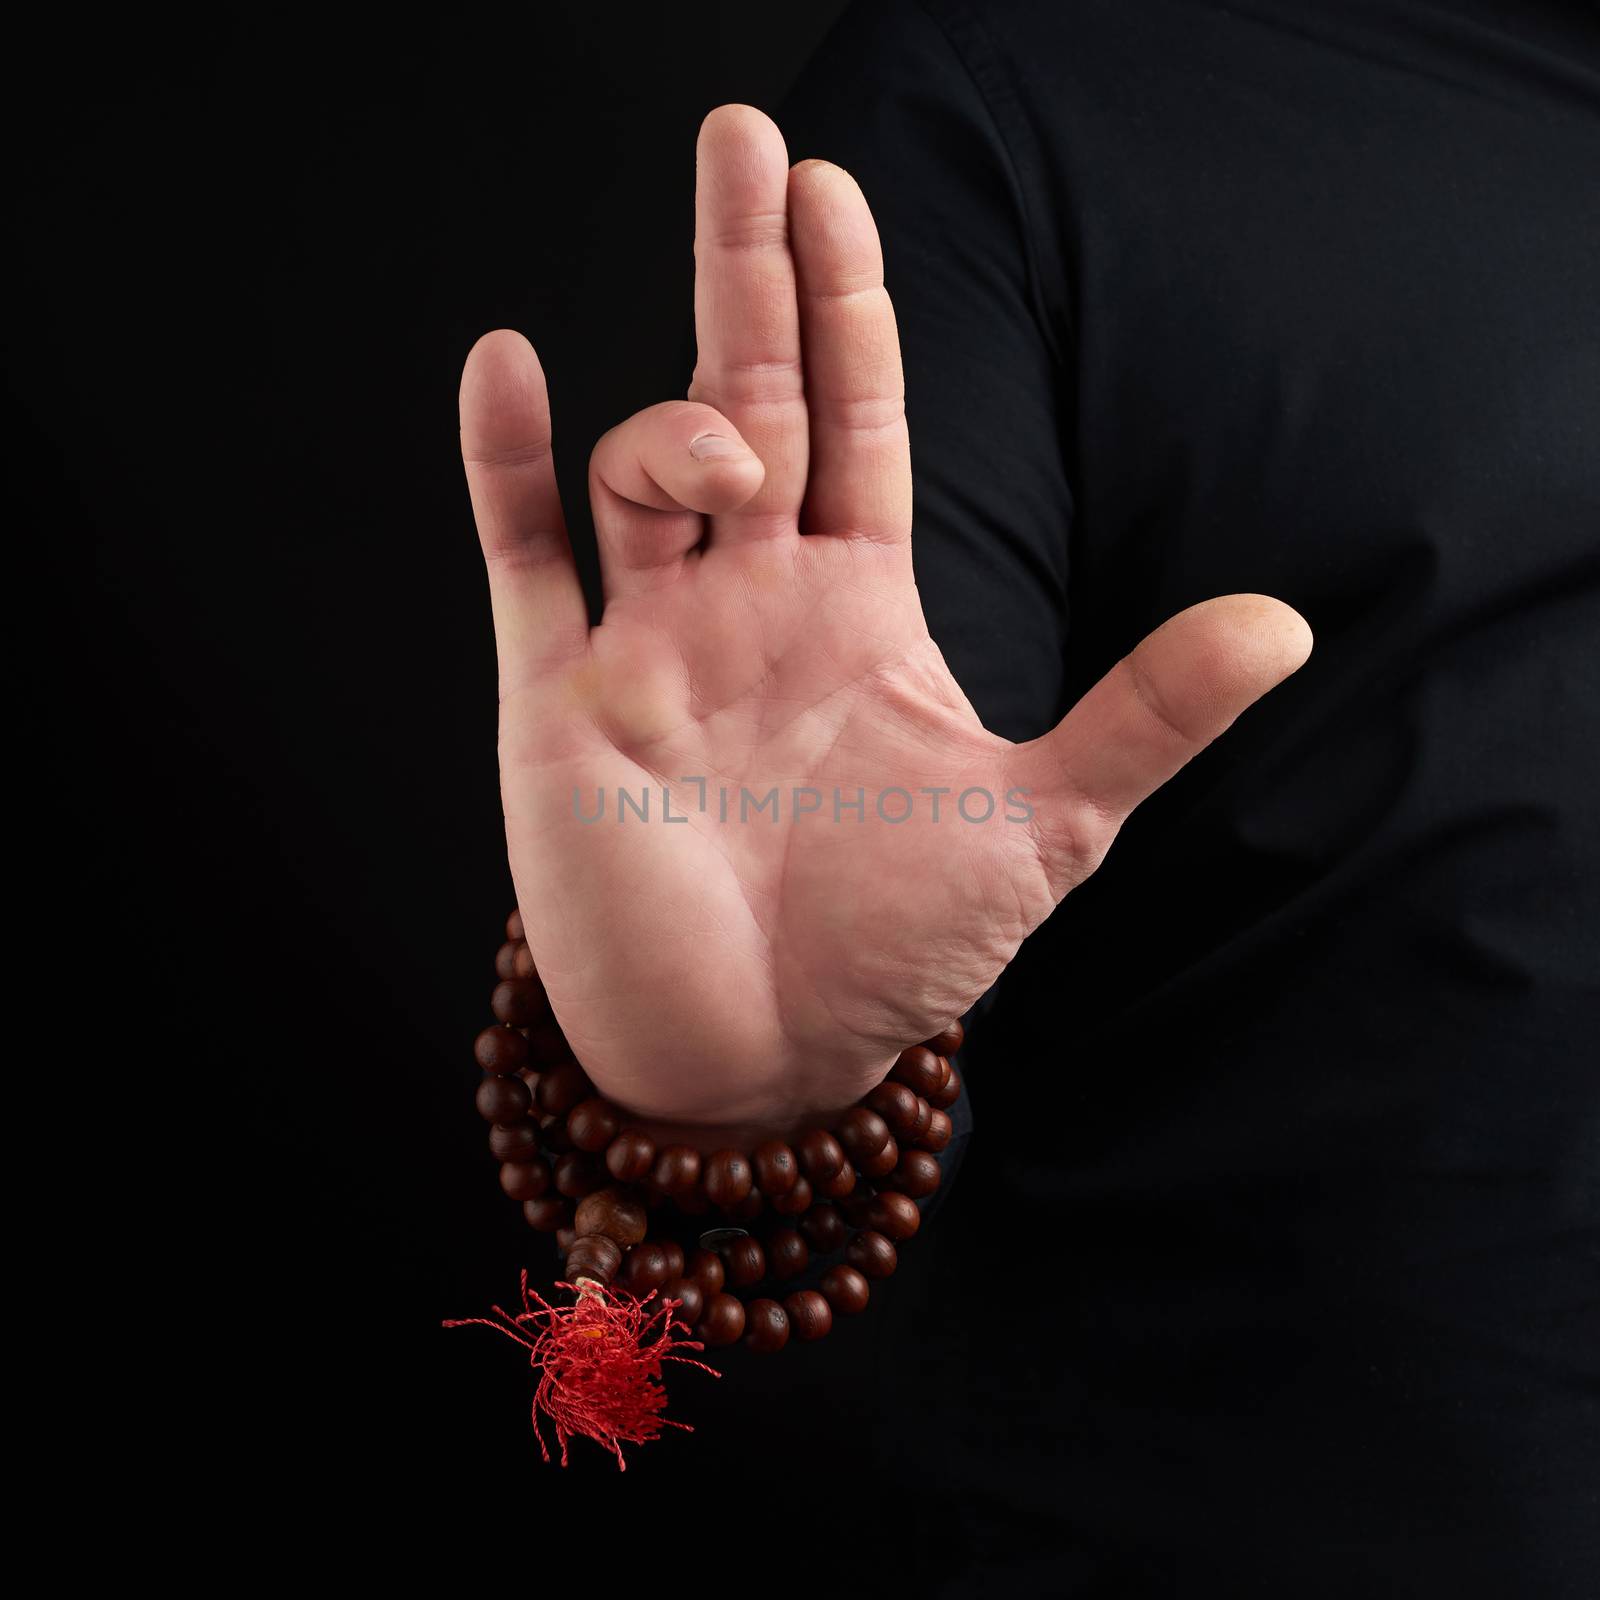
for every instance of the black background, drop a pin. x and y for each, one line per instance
(254, 258)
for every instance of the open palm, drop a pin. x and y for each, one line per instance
(852, 859)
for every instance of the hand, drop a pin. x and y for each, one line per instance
(762, 630)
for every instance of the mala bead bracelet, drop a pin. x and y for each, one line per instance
(581, 1173)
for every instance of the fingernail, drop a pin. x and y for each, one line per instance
(715, 447)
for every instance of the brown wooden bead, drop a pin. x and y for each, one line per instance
(500, 1049)
(675, 1261)
(862, 1132)
(797, 1201)
(766, 1326)
(645, 1267)
(824, 1228)
(897, 1105)
(705, 1268)
(948, 1040)
(919, 1070)
(593, 1123)
(503, 1100)
(514, 927)
(821, 1154)
(916, 1174)
(522, 963)
(517, 1141)
(505, 961)
(722, 1322)
(563, 1086)
(947, 1096)
(594, 1256)
(727, 1178)
(677, 1169)
(839, 1184)
(872, 1254)
(744, 1261)
(692, 1300)
(565, 1239)
(810, 1315)
(940, 1128)
(553, 1134)
(547, 1213)
(884, 1162)
(788, 1255)
(776, 1167)
(525, 1180)
(612, 1214)
(630, 1155)
(748, 1209)
(920, 1123)
(518, 1002)
(845, 1290)
(894, 1214)
(577, 1174)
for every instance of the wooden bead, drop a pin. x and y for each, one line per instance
(920, 1123)
(872, 1254)
(547, 1213)
(593, 1257)
(514, 927)
(553, 1134)
(894, 1214)
(839, 1184)
(897, 1105)
(776, 1167)
(645, 1267)
(919, 1070)
(727, 1178)
(948, 1040)
(611, 1214)
(821, 1154)
(593, 1123)
(517, 1002)
(722, 1322)
(917, 1174)
(940, 1128)
(744, 1261)
(950, 1092)
(748, 1209)
(675, 1261)
(845, 1290)
(522, 963)
(788, 1255)
(516, 1141)
(565, 1239)
(505, 961)
(500, 1049)
(563, 1086)
(629, 1156)
(503, 1100)
(862, 1132)
(691, 1298)
(796, 1202)
(810, 1315)
(525, 1180)
(577, 1174)
(677, 1169)
(823, 1228)
(884, 1162)
(766, 1326)
(705, 1268)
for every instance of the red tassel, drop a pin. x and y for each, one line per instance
(599, 1369)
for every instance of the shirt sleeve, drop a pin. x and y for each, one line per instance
(889, 98)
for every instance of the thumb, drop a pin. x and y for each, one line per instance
(1160, 706)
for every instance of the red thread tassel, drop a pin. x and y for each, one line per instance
(599, 1366)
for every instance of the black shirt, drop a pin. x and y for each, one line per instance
(1271, 1268)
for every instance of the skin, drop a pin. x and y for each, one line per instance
(762, 627)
